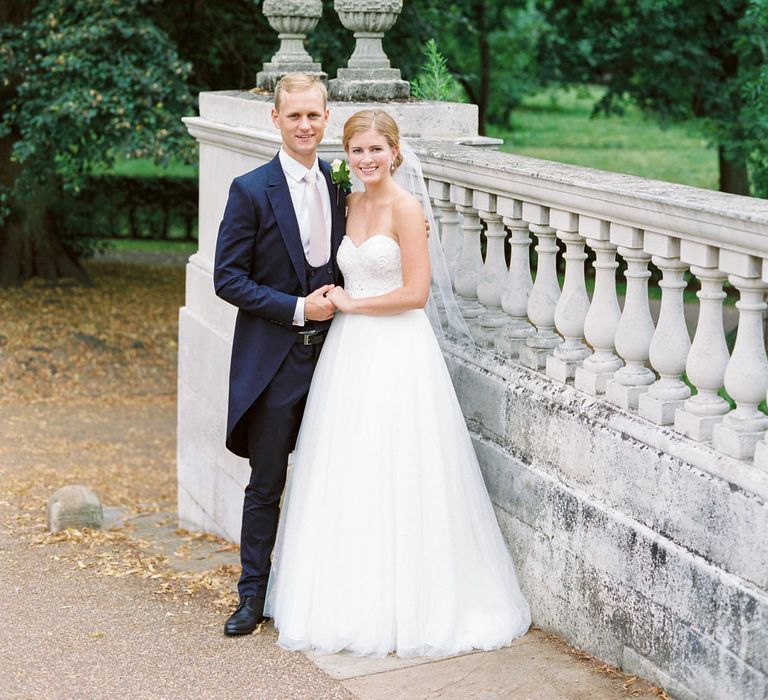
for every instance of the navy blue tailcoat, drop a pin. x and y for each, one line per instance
(260, 268)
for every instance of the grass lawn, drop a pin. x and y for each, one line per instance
(145, 167)
(557, 125)
(131, 244)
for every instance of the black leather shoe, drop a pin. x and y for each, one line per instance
(248, 614)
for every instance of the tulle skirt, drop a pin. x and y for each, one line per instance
(388, 541)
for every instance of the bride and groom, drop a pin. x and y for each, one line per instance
(387, 540)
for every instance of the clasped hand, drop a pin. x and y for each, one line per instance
(321, 304)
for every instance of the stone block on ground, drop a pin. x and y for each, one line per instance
(74, 506)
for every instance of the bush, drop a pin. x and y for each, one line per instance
(119, 206)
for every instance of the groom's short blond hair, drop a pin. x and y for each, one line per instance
(296, 82)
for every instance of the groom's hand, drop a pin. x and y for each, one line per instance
(317, 307)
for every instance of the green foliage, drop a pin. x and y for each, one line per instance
(87, 82)
(224, 42)
(703, 61)
(146, 167)
(330, 43)
(752, 46)
(434, 81)
(128, 207)
(490, 47)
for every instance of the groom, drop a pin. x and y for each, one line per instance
(275, 261)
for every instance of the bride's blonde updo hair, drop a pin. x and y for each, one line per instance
(379, 121)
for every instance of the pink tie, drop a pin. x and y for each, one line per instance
(318, 236)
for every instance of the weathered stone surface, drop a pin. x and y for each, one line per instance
(352, 90)
(222, 110)
(639, 557)
(74, 506)
(292, 8)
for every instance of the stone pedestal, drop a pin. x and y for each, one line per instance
(623, 395)
(562, 364)
(761, 455)
(738, 437)
(535, 357)
(512, 338)
(660, 411)
(694, 426)
(292, 20)
(593, 375)
(369, 75)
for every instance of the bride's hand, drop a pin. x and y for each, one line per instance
(341, 300)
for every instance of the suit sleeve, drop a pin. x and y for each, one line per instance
(233, 264)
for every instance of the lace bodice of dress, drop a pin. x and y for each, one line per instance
(372, 268)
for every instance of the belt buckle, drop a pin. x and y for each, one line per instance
(306, 336)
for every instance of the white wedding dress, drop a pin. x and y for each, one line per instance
(388, 541)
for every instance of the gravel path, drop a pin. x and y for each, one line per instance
(69, 630)
(67, 633)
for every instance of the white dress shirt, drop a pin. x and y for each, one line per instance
(294, 174)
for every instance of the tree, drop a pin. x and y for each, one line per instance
(679, 61)
(489, 47)
(81, 83)
(224, 42)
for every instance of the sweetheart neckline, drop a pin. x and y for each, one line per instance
(375, 235)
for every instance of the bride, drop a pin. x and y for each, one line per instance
(387, 541)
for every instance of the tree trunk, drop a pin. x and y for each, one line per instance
(734, 177)
(29, 241)
(484, 50)
(30, 246)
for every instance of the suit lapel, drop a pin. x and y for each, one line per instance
(338, 218)
(282, 205)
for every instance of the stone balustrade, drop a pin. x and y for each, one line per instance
(631, 493)
(695, 239)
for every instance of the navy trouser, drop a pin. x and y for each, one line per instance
(273, 424)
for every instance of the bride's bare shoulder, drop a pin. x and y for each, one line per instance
(353, 197)
(407, 204)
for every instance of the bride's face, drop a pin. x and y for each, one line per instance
(370, 156)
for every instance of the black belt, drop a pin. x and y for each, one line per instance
(310, 337)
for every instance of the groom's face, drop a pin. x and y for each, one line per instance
(302, 119)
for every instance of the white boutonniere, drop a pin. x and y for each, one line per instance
(340, 177)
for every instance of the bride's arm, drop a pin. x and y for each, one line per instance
(408, 219)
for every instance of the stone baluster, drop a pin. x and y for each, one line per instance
(635, 328)
(670, 343)
(514, 298)
(470, 263)
(746, 376)
(761, 449)
(545, 291)
(604, 312)
(572, 307)
(491, 322)
(708, 356)
(449, 223)
(292, 20)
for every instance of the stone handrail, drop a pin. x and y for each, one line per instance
(619, 355)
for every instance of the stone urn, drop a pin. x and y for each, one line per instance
(369, 75)
(292, 20)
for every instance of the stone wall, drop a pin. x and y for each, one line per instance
(635, 555)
